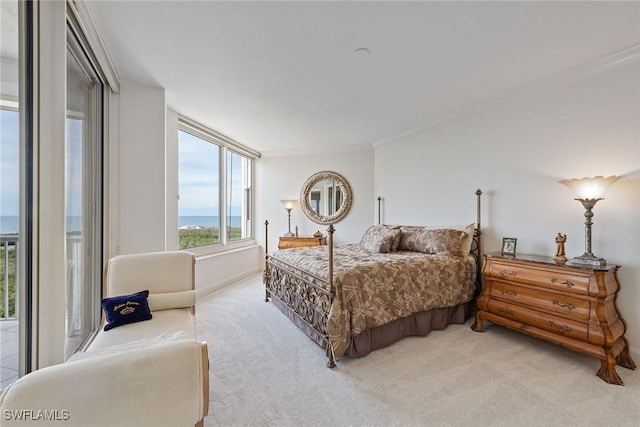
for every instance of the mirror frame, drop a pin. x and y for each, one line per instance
(344, 188)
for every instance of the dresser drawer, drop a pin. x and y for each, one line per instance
(574, 306)
(565, 305)
(558, 325)
(555, 279)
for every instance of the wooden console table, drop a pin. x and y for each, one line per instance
(570, 305)
(296, 242)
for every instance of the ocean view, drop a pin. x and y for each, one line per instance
(10, 224)
(206, 221)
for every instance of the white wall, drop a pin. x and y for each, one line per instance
(280, 177)
(49, 261)
(216, 271)
(171, 181)
(141, 198)
(516, 152)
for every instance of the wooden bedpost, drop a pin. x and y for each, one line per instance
(379, 200)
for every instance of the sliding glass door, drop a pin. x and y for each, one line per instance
(15, 191)
(83, 195)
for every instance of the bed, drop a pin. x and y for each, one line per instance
(397, 281)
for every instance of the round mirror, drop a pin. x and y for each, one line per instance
(325, 197)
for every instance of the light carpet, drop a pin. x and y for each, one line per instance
(265, 372)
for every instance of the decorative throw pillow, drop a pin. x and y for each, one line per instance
(446, 241)
(125, 309)
(409, 234)
(469, 229)
(379, 239)
(438, 241)
(397, 236)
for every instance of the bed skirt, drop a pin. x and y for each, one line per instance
(419, 324)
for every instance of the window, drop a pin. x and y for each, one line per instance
(83, 194)
(16, 108)
(215, 181)
(238, 196)
(198, 178)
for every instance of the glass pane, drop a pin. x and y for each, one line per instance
(10, 336)
(198, 182)
(9, 227)
(82, 202)
(238, 196)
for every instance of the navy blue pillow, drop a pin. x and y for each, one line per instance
(125, 309)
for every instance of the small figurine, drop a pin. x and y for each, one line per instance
(560, 255)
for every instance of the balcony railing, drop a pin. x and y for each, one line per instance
(8, 276)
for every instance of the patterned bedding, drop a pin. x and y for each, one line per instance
(373, 289)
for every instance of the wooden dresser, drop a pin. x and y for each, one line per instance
(573, 306)
(297, 242)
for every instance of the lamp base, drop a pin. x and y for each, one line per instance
(589, 260)
(288, 234)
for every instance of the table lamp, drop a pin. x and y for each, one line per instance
(288, 205)
(588, 191)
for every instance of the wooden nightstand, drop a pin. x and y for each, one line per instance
(296, 242)
(573, 306)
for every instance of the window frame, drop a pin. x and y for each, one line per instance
(95, 173)
(226, 144)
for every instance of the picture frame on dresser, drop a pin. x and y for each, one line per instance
(509, 246)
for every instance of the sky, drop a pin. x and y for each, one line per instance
(198, 172)
(199, 177)
(9, 196)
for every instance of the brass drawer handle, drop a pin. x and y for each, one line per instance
(563, 328)
(567, 283)
(503, 311)
(508, 273)
(568, 305)
(508, 292)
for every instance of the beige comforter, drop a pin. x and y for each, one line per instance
(373, 289)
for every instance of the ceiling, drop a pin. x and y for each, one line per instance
(281, 77)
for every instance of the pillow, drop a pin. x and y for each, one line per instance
(379, 239)
(125, 309)
(397, 235)
(438, 241)
(170, 300)
(446, 241)
(469, 229)
(408, 236)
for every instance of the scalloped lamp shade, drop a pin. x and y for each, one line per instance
(588, 191)
(590, 188)
(288, 203)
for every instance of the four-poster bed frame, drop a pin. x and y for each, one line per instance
(306, 298)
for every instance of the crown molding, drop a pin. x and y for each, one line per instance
(559, 80)
(331, 149)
